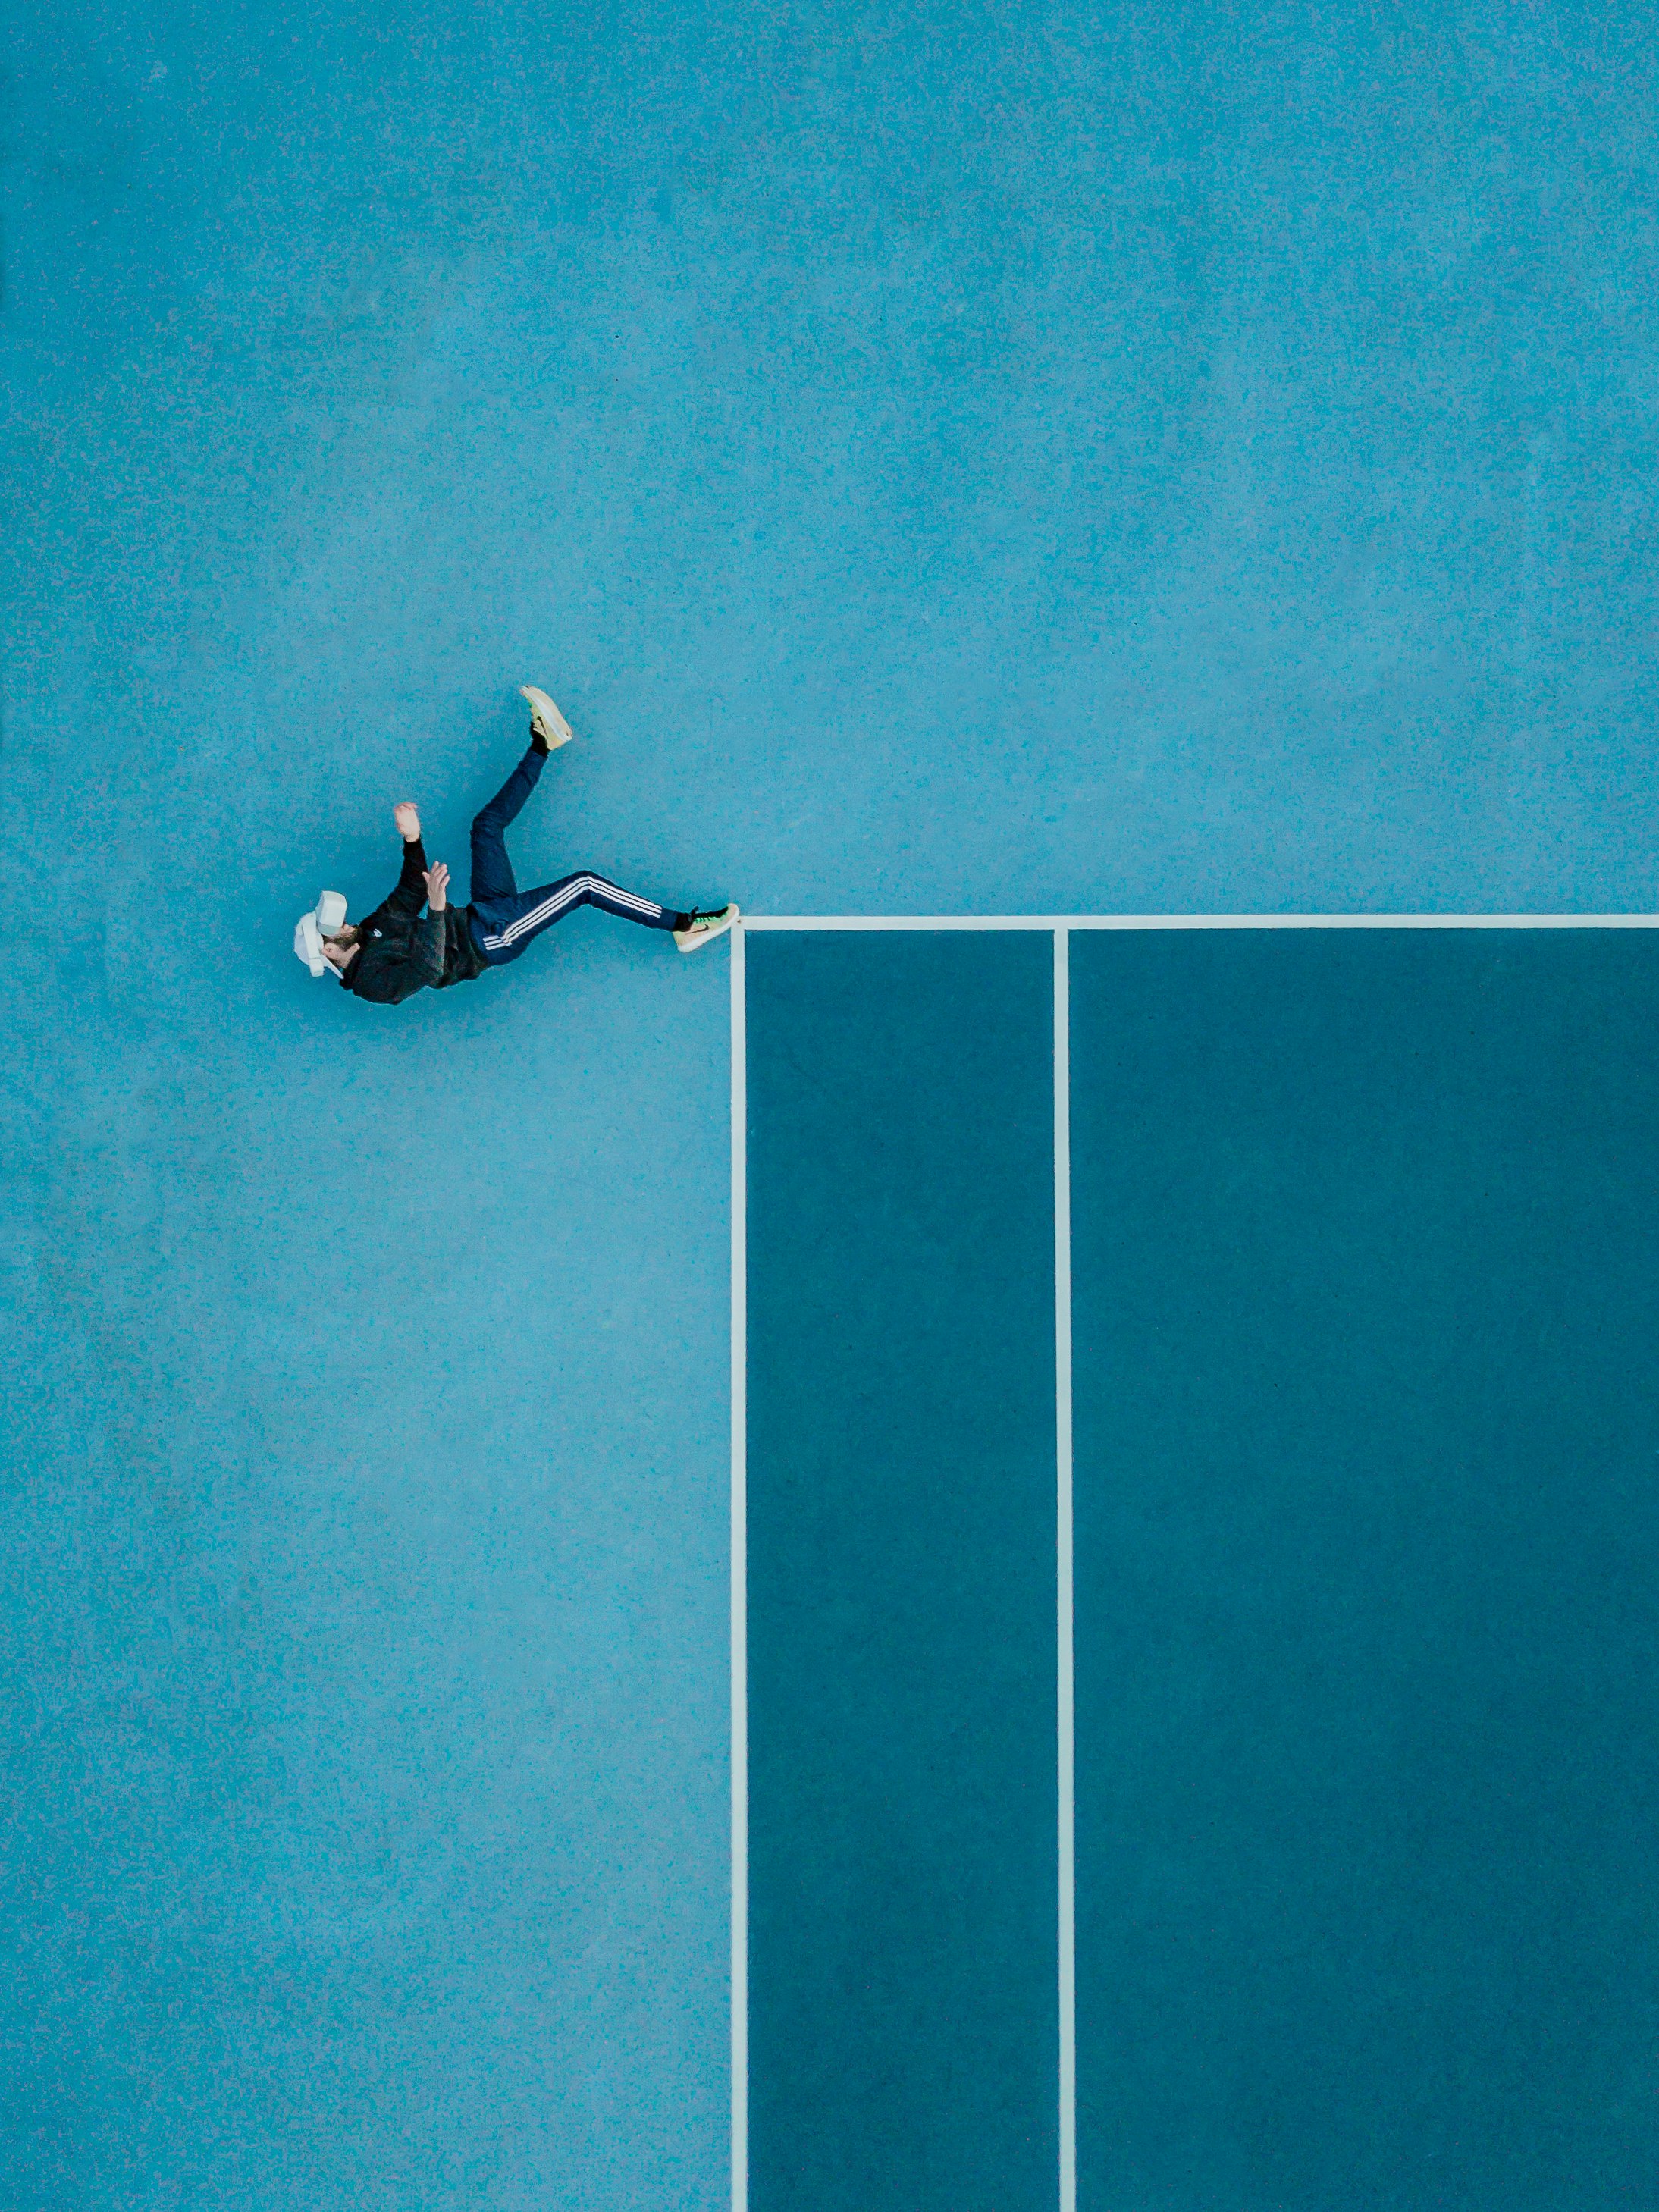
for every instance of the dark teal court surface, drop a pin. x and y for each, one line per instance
(901, 1573)
(1365, 1608)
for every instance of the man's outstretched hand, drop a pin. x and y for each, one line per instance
(437, 888)
(408, 821)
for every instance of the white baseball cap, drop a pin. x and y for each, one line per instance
(327, 917)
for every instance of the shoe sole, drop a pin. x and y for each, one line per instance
(706, 936)
(559, 732)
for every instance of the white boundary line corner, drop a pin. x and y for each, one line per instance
(1061, 927)
(739, 1572)
(1065, 1688)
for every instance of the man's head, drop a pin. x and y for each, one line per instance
(315, 932)
(341, 949)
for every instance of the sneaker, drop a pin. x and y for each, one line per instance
(545, 720)
(704, 928)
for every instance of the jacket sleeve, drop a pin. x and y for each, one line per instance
(410, 895)
(426, 954)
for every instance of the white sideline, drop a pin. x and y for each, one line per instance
(1201, 921)
(739, 1573)
(1064, 1682)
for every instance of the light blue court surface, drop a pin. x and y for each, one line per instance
(945, 461)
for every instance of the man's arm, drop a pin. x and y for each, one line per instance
(410, 895)
(426, 954)
(386, 980)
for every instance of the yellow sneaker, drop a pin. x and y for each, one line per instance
(545, 720)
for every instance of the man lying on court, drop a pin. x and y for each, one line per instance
(392, 952)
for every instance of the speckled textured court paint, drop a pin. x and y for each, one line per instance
(903, 1976)
(1368, 1511)
(943, 460)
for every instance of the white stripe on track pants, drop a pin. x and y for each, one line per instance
(504, 926)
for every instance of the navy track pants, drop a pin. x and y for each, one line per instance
(504, 919)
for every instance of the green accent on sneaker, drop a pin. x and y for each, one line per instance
(703, 927)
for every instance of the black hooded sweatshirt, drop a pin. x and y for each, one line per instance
(400, 950)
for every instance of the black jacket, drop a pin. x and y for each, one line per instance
(400, 950)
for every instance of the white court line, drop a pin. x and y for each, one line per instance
(1201, 921)
(1065, 1697)
(739, 1570)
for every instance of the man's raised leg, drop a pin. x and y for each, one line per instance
(492, 871)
